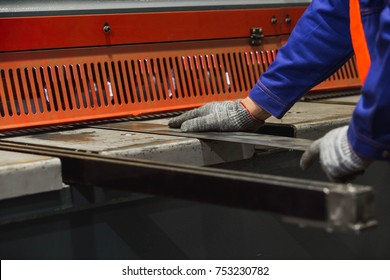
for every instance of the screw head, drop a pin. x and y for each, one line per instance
(106, 28)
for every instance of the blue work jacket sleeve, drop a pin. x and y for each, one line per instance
(369, 129)
(319, 44)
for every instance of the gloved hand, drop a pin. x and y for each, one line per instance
(217, 116)
(337, 159)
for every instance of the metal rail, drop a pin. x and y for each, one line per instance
(336, 206)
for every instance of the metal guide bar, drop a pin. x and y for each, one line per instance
(289, 143)
(312, 201)
(70, 86)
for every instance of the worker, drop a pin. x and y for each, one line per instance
(323, 39)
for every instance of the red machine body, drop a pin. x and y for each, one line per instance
(58, 69)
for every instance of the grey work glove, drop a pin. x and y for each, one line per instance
(217, 116)
(337, 159)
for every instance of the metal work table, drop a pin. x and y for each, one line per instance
(26, 174)
(305, 119)
(173, 149)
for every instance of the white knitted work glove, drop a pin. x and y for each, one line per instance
(217, 116)
(337, 159)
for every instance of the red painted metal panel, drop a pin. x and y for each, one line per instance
(51, 32)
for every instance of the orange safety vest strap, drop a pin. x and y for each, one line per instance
(359, 40)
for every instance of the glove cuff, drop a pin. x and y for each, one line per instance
(346, 149)
(337, 157)
(250, 114)
(245, 119)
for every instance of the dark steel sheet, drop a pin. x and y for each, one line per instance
(234, 137)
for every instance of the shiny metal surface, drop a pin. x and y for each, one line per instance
(235, 137)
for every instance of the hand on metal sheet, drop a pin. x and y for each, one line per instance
(337, 159)
(217, 116)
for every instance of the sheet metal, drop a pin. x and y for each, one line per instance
(234, 137)
(311, 120)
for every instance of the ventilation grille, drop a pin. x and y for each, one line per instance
(54, 87)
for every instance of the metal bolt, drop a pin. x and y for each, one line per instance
(288, 19)
(106, 28)
(274, 20)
